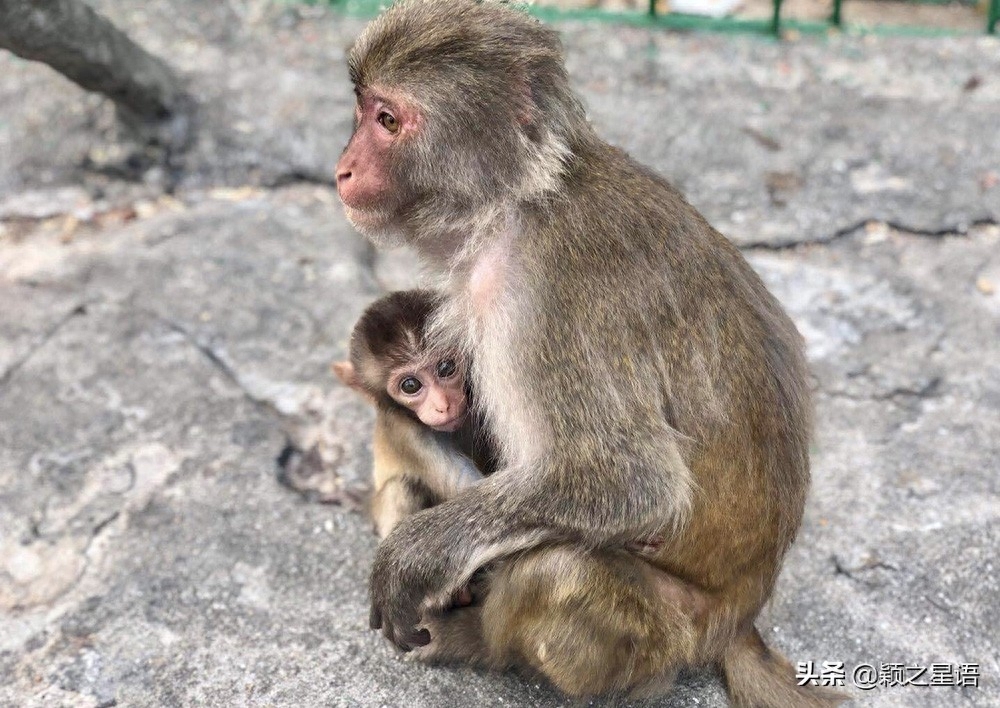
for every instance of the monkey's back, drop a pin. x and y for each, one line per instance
(705, 349)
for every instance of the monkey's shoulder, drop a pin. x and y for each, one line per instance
(615, 211)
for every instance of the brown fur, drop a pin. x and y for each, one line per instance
(639, 378)
(751, 670)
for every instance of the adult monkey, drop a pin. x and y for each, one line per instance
(639, 379)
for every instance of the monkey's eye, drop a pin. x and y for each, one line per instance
(446, 368)
(389, 122)
(410, 385)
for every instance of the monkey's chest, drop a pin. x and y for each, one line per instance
(503, 391)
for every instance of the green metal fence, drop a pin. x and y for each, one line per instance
(774, 25)
(836, 17)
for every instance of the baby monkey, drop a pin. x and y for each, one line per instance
(427, 445)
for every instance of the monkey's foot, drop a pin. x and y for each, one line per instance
(456, 637)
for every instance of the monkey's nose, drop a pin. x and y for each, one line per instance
(342, 176)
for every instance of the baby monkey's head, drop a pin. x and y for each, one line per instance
(392, 362)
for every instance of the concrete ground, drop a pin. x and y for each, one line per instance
(163, 331)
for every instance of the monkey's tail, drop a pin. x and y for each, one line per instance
(757, 677)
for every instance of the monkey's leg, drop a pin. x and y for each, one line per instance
(605, 622)
(398, 497)
(591, 622)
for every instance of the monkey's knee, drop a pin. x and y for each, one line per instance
(591, 622)
(398, 498)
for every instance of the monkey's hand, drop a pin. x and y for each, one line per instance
(410, 575)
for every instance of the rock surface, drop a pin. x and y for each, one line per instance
(164, 330)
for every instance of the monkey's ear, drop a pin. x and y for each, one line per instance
(344, 370)
(348, 375)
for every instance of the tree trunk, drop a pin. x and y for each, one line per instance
(85, 47)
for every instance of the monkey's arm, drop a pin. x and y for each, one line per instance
(414, 467)
(433, 553)
(403, 446)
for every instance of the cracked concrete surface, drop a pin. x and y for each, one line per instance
(165, 330)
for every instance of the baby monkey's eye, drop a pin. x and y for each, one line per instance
(446, 368)
(410, 385)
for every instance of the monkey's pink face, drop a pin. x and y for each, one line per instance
(435, 394)
(365, 169)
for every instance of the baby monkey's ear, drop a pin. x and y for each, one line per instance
(344, 370)
(348, 375)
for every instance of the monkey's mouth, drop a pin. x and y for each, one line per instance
(450, 426)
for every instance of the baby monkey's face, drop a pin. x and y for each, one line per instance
(435, 392)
